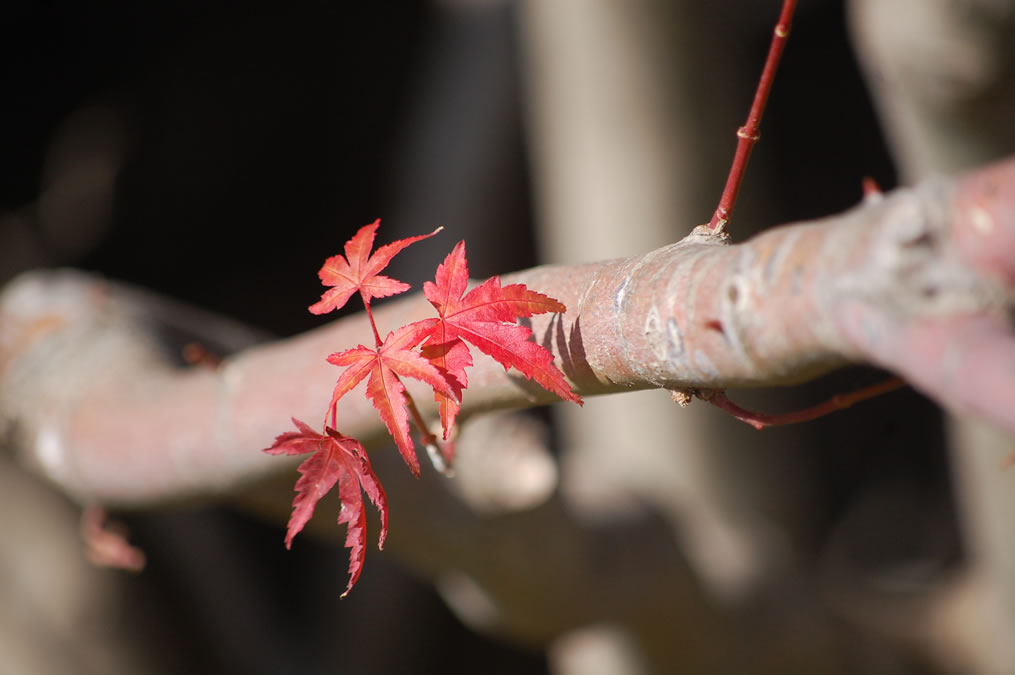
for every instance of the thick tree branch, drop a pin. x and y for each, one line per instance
(918, 283)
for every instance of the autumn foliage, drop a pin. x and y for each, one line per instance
(435, 351)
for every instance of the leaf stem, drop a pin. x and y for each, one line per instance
(370, 315)
(748, 135)
(333, 412)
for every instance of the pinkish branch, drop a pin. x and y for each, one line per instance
(917, 283)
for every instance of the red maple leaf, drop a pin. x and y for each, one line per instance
(336, 459)
(384, 364)
(359, 271)
(486, 318)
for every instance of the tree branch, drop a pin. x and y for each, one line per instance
(918, 283)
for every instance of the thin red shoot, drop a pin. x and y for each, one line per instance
(870, 187)
(107, 542)
(837, 402)
(748, 135)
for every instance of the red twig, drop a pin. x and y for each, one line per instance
(870, 187)
(747, 135)
(106, 543)
(837, 402)
(197, 354)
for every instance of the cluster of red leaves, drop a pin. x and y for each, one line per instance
(434, 351)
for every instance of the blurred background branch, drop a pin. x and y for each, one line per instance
(943, 77)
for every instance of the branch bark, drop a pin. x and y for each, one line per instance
(918, 282)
